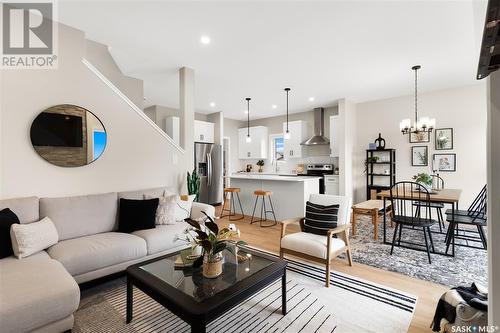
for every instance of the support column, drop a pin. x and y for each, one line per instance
(186, 97)
(347, 112)
(493, 151)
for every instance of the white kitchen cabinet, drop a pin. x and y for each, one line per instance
(335, 135)
(332, 184)
(298, 134)
(203, 131)
(255, 149)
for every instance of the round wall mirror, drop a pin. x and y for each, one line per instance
(68, 136)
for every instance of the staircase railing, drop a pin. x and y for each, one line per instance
(132, 105)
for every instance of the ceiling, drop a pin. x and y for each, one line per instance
(361, 50)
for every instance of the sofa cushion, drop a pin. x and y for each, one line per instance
(82, 215)
(26, 209)
(311, 244)
(155, 192)
(31, 238)
(163, 237)
(137, 214)
(7, 218)
(88, 253)
(34, 292)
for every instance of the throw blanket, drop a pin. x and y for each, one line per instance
(475, 296)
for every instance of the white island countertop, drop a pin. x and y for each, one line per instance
(276, 177)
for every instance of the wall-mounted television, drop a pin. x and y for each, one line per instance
(57, 130)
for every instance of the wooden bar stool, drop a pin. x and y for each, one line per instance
(263, 209)
(232, 206)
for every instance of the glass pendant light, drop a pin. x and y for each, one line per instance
(287, 132)
(248, 138)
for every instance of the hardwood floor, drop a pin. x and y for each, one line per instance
(428, 293)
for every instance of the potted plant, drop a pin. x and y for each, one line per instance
(260, 163)
(423, 179)
(371, 159)
(193, 184)
(213, 241)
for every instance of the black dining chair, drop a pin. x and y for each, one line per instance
(402, 196)
(475, 215)
(437, 184)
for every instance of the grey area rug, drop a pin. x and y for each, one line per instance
(468, 265)
(311, 308)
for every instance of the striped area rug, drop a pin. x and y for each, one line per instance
(349, 305)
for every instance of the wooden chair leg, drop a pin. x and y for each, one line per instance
(327, 277)
(281, 254)
(375, 223)
(348, 250)
(353, 222)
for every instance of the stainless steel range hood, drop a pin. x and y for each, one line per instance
(319, 129)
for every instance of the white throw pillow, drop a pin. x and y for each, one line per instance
(30, 238)
(183, 208)
(165, 213)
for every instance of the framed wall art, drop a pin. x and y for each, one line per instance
(443, 139)
(445, 162)
(419, 156)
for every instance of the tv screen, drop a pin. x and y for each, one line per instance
(57, 130)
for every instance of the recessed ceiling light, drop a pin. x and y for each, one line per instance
(274, 106)
(212, 104)
(311, 99)
(205, 40)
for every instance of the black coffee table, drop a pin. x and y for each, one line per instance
(198, 300)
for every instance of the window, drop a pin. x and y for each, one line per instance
(278, 148)
(99, 143)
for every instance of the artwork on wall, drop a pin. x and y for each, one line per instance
(419, 156)
(444, 139)
(445, 162)
(419, 137)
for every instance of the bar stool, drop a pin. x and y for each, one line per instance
(232, 206)
(263, 209)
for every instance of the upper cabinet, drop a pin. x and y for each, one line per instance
(257, 147)
(298, 134)
(335, 134)
(203, 131)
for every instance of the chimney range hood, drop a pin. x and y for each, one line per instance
(319, 129)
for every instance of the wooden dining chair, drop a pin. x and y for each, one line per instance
(402, 196)
(437, 184)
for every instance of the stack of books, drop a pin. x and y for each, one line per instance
(185, 259)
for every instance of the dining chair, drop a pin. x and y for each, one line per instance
(437, 184)
(475, 215)
(402, 196)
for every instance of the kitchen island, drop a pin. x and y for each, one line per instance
(290, 193)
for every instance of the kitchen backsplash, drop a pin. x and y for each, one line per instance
(289, 166)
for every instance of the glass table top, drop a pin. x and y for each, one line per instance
(191, 280)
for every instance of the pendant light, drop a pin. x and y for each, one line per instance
(421, 125)
(287, 132)
(248, 138)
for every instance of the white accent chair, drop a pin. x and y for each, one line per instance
(320, 248)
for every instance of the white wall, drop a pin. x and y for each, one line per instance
(347, 124)
(136, 156)
(231, 131)
(494, 198)
(463, 109)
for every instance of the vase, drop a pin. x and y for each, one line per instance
(260, 169)
(212, 265)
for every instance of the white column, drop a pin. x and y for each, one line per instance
(493, 147)
(186, 92)
(347, 112)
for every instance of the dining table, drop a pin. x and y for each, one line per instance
(445, 196)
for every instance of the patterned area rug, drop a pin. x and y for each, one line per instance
(311, 308)
(468, 265)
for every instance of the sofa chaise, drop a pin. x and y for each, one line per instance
(40, 293)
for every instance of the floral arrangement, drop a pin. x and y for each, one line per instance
(210, 238)
(423, 178)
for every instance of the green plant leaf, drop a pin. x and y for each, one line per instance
(212, 227)
(192, 223)
(207, 245)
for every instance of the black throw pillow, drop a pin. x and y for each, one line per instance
(319, 219)
(137, 214)
(7, 218)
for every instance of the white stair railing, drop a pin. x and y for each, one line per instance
(131, 104)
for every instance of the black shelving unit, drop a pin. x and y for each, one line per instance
(375, 179)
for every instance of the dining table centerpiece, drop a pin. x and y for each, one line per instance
(423, 179)
(213, 241)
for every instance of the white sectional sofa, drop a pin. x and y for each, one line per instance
(40, 293)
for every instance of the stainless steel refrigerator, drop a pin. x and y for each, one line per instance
(208, 164)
